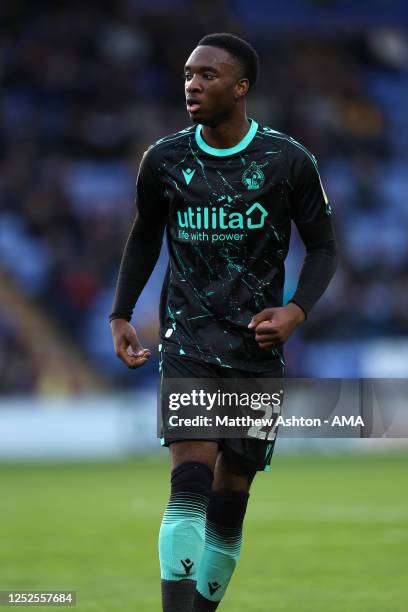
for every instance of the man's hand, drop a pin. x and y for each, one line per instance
(273, 326)
(127, 345)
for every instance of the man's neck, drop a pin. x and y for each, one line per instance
(227, 134)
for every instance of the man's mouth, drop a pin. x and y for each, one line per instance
(193, 105)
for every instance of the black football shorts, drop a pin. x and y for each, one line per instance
(248, 452)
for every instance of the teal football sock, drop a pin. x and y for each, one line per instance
(182, 535)
(223, 537)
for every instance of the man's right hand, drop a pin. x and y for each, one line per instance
(127, 345)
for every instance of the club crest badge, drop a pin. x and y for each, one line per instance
(253, 177)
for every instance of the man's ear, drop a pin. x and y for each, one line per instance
(241, 88)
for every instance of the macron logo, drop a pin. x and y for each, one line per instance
(213, 587)
(188, 174)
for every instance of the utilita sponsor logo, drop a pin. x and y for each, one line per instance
(206, 217)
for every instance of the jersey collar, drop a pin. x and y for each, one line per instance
(224, 152)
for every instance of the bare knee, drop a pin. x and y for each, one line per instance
(231, 475)
(204, 451)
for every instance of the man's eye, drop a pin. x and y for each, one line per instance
(187, 76)
(209, 76)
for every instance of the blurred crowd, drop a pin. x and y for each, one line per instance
(88, 86)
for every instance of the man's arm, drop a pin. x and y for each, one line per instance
(319, 265)
(138, 261)
(139, 258)
(312, 215)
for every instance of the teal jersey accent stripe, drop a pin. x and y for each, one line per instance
(171, 138)
(247, 139)
(275, 134)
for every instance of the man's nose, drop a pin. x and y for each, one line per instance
(193, 84)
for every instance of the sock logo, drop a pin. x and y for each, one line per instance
(213, 587)
(187, 564)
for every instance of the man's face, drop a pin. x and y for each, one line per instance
(213, 85)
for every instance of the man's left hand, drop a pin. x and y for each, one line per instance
(273, 326)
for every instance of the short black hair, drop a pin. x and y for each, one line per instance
(240, 49)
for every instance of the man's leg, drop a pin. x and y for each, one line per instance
(225, 515)
(182, 532)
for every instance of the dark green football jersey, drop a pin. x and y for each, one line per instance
(228, 214)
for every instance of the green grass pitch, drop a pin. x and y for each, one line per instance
(323, 533)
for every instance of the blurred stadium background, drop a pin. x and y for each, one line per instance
(85, 88)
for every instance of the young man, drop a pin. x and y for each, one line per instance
(227, 189)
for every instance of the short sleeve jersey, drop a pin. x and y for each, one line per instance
(228, 215)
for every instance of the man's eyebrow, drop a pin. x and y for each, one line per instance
(201, 68)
